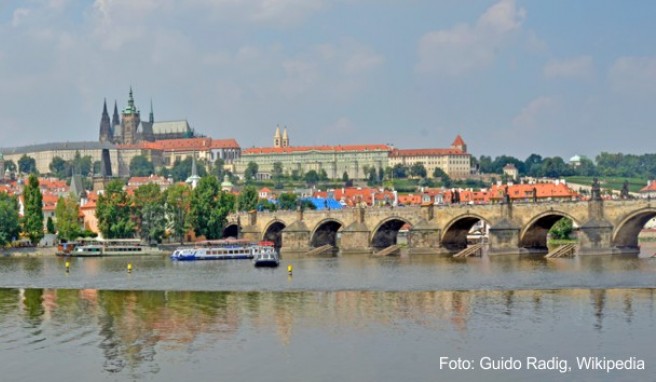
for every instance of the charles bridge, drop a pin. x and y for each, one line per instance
(603, 227)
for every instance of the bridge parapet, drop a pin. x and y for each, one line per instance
(602, 225)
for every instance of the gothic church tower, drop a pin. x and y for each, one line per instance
(130, 122)
(105, 128)
(285, 138)
(277, 140)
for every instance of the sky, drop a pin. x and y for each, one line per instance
(512, 77)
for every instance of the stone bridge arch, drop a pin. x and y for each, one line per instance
(386, 231)
(455, 232)
(230, 230)
(325, 232)
(625, 234)
(533, 234)
(273, 232)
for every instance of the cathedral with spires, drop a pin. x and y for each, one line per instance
(130, 129)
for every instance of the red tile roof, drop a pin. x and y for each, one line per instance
(651, 186)
(186, 144)
(292, 149)
(458, 141)
(522, 191)
(425, 152)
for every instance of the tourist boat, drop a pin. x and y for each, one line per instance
(116, 247)
(65, 249)
(222, 250)
(268, 257)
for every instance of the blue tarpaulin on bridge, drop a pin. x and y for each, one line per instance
(323, 204)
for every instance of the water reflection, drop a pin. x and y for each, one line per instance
(135, 331)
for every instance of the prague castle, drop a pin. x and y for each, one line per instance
(122, 138)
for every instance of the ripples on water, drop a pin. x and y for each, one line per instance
(52, 334)
(351, 318)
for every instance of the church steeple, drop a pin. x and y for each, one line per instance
(285, 138)
(105, 128)
(115, 119)
(276, 138)
(130, 109)
(151, 117)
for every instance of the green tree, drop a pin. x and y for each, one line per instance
(248, 199)
(399, 171)
(445, 180)
(182, 169)
(207, 215)
(265, 205)
(586, 167)
(323, 175)
(113, 212)
(60, 168)
(276, 173)
(149, 212)
(96, 167)
(141, 166)
(217, 169)
(533, 165)
(50, 226)
(66, 213)
(27, 165)
(10, 165)
(251, 171)
(178, 204)
(9, 219)
(33, 215)
(372, 177)
(296, 175)
(345, 177)
(287, 201)
(311, 177)
(82, 164)
(418, 170)
(562, 229)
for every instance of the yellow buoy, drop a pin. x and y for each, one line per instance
(68, 266)
(129, 267)
(290, 269)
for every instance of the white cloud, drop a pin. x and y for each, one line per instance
(263, 12)
(467, 47)
(18, 16)
(284, 11)
(576, 67)
(334, 69)
(633, 74)
(531, 114)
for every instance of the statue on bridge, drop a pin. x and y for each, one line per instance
(506, 195)
(624, 194)
(595, 190)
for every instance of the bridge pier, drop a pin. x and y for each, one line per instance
(296, 238)
(424, 238)
(595, 235)
(356, 236)
(251, 231)
(504, 234)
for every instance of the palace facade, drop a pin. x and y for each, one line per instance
(334, 160)
(454, 161)
(352, 159)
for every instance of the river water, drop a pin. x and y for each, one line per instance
(349, 318)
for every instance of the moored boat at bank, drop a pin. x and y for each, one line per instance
(116, 247)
